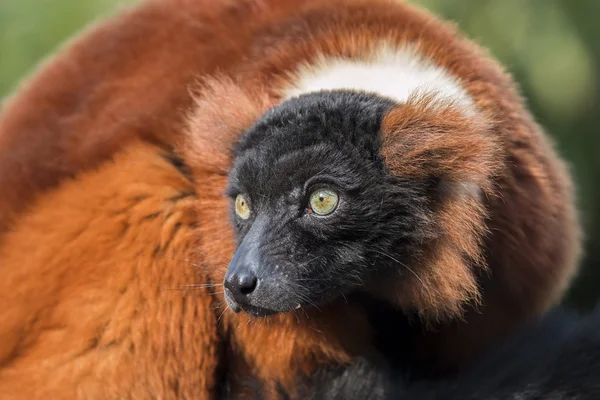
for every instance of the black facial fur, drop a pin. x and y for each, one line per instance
(288, 257)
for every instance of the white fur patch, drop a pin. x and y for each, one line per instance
(395, 73)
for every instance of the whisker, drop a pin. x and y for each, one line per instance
(401, 263)
(201, 285)
(221, 315)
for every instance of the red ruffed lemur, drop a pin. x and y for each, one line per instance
(357, 177)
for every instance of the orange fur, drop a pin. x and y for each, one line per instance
(88, 306)
(95, 221)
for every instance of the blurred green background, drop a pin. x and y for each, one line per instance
(551, 46)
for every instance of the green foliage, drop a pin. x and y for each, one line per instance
(550, 46)
(32, 29)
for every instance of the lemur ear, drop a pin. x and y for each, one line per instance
(431, 138)
(427, 139)
(222, 111)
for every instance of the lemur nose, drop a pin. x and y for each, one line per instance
(241, 284)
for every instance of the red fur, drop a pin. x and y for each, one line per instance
(97, 224)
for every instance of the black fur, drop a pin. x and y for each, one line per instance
(315, 141)
(555, 358)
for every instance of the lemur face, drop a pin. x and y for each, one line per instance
(315, 212)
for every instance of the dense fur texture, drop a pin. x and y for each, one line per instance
(114, 160)
(394, 209)
(557, 357)
(324, 140)
(110, 326)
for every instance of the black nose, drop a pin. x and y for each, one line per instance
(241, 284)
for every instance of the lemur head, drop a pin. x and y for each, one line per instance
(334, 192)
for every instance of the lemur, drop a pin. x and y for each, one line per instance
(396, 163)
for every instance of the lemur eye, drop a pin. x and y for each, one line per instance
(323, 202)
(242, 209)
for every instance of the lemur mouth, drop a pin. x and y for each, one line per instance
(252, 310)
(249, 309)
(259, 312)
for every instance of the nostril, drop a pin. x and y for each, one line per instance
(247, 284)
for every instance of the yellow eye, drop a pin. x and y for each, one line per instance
(242, 209)
(323, 202)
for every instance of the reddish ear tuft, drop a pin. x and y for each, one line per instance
(222, 111)
(429, 139)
